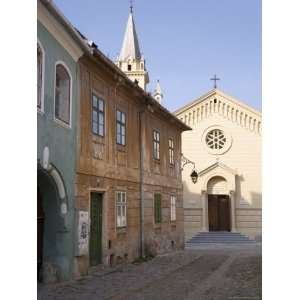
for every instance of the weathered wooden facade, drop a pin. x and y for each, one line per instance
(109, 173)
(109, 167)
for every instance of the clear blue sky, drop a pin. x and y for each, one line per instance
(184, 42)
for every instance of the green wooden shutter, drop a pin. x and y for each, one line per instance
(157, 208)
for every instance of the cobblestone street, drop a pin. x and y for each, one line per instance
(210, 273)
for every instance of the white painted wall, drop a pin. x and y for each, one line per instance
(243, 155)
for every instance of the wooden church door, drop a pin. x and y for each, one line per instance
(218, 213)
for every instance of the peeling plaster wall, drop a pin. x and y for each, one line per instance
(61, 142)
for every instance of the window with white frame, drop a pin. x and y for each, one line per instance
(121, 209)
(173, 208)
(40, 59)
(62, 94)
(156, 144)
(171, 151)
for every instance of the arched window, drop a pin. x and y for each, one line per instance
(62, 94)
(40, 66)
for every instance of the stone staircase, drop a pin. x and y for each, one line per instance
(218, 237)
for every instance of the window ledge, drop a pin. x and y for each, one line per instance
(98, 139)
(40, 111)
(62, 124)
(121, 148)
(121, 230)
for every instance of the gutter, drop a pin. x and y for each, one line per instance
(142, 195)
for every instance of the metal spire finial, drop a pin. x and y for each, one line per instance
(131, 6)
(215, 80)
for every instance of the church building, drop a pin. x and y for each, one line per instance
(224, 151)
(130, 60)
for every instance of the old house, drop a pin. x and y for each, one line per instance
(128, 183)
(109, 174)
(59, 47)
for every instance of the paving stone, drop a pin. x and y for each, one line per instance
(207, 274)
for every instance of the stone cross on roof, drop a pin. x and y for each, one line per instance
(215, 81)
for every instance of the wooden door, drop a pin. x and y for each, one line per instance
(224, 213)
(96, 229)
(213, 213)
(40, 231)
(218, 213)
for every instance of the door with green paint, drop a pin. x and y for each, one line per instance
(96, 229)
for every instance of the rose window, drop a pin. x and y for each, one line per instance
(215, 139)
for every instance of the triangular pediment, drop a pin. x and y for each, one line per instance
(215, 166)
(217, 92)
(217, 103)
(218, 169)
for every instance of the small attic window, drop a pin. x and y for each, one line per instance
(129, 68)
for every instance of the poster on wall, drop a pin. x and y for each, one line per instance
(83, 233)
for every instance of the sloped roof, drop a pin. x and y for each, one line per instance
(91, 50)
(216, 92)
(56, 13)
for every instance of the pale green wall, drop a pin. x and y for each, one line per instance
(61, 142)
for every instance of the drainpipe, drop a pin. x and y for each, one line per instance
(142, 195)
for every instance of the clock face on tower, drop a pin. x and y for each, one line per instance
(216, 140)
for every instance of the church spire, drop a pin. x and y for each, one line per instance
(157, 93)
(130, 46)
(130, 59)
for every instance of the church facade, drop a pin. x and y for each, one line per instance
(225, 147)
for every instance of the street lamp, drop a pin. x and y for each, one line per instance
(194, 176)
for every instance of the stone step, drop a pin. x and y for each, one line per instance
(217, 240)
(218, 237)
(219, 234)
(220, 242)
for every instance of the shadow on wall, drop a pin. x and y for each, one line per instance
(238, 189)
(191, 199)
(256, 199)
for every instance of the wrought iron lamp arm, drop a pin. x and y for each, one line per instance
(186, 161)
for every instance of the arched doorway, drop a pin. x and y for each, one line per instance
(50, 229)
(218, 204)
(40, 233)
